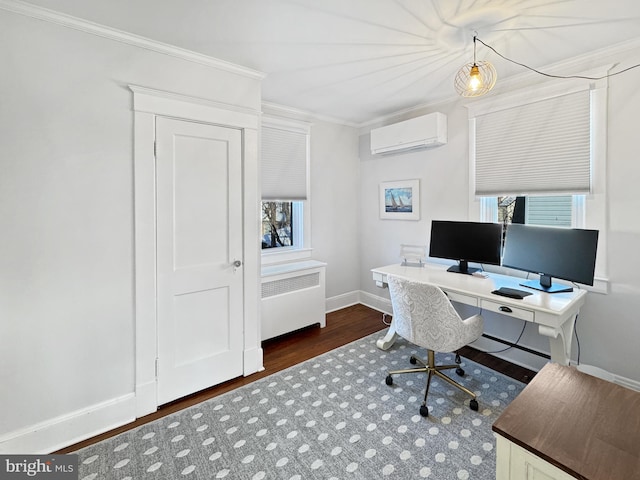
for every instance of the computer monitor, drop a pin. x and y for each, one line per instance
(466, 242)
(565, 253)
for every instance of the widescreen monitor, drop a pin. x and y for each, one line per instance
(564, 253)
(465, 242)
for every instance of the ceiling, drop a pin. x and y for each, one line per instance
(358, 60)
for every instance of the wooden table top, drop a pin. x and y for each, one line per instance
(586, 426)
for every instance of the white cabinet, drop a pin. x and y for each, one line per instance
(516, 463)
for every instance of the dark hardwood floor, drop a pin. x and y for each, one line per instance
(343, 326)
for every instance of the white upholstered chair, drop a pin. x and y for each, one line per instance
(423, 315)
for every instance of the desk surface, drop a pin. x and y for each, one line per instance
(588, 427)
(555, 304)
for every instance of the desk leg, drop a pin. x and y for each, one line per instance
(388, 340)
(560, 340)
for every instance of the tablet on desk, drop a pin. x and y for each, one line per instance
(511, 293)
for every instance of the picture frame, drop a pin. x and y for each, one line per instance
(400, 200)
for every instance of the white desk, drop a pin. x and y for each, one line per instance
(554, 313)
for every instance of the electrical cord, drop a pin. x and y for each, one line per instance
(524, 325)
(551, 75)
(575, 332)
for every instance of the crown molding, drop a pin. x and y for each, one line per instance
(41, 13)
(269, 108)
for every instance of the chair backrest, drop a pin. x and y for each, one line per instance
(423, 314)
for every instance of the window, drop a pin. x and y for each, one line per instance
(532, 158)
(539, 155)
(285, 186)
(278, 224)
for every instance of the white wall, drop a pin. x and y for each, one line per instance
(66, 204)
(608, 325)
(335, 205)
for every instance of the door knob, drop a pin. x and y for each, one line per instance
(237, 263)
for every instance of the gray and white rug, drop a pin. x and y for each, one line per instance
(331, 417)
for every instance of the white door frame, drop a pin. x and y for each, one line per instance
(147, 105)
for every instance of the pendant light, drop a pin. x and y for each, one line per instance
(475, 79)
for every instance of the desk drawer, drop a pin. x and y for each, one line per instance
(510, 310)
(461, 298)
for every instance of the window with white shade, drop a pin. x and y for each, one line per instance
(533, 160)
(285, 187)
(539, 157)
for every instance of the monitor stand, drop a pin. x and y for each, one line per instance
(545, 285)
(462, 267)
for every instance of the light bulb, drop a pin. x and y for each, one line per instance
(475, 79)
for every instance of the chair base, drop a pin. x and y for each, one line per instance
(432, 369)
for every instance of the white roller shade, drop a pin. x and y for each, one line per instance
(537, 148)
(284, 164)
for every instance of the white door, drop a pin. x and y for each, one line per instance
(199, 238)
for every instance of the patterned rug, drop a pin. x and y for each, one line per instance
(331, 417)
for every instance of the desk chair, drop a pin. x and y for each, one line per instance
(423, 315)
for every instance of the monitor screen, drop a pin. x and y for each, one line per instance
(466, 242)
(565, 253)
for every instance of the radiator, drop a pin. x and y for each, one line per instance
(293, 297)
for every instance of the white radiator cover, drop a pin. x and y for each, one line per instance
(293, 297)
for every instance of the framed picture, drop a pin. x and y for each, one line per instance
(400, 200)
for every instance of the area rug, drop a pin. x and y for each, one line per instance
(331, 417)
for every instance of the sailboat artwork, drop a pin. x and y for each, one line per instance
(398, 200)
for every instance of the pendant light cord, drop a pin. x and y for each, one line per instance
(543, 73)
(475, 37)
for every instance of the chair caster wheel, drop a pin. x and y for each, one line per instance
(413, 360)
(389, 380)
(473, 405)
(458, 359)
(424, 411)
(460, 371)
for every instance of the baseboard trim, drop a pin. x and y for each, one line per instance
(65, 430)
(376, 302)
(627, 382)
(342, 301)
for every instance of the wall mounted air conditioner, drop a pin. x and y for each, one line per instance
(420, 132)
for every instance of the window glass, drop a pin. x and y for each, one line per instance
(277, 224)
(554, 211)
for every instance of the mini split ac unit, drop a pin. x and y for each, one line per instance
(420, 132)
